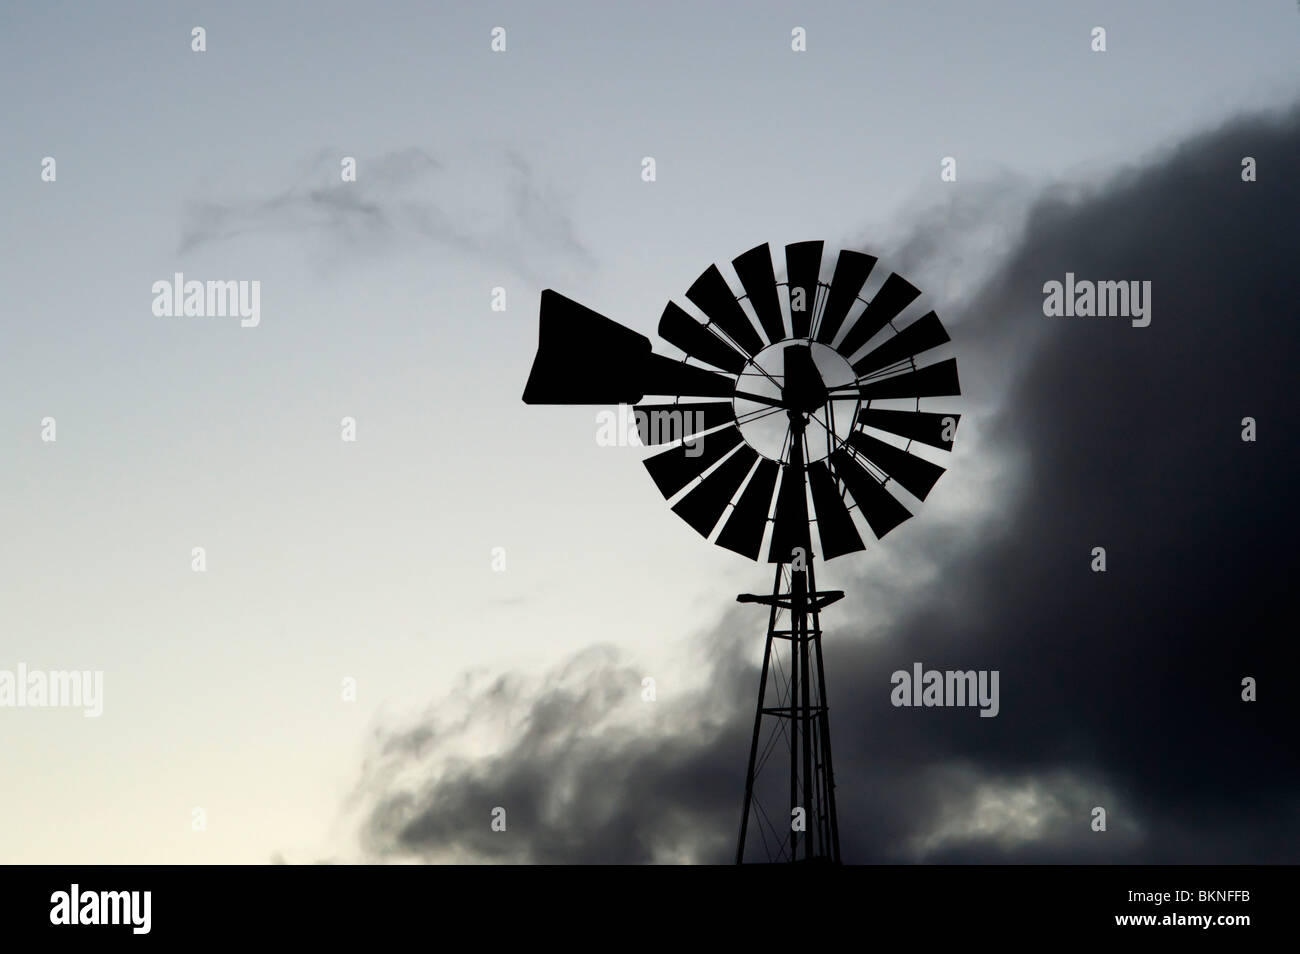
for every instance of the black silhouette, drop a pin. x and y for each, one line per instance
(724, 483)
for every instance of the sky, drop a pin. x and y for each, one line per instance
(373, 560)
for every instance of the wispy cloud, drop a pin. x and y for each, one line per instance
(492, 206)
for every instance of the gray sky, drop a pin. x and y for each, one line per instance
(372, 559)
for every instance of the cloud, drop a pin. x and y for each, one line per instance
(492, 207)
(586, 769)
(1119, 689)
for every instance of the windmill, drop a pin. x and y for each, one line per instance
(779, 402)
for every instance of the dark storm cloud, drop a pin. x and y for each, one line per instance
(1118, 689)
(399, 199)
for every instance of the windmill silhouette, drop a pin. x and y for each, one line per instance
(791, 423)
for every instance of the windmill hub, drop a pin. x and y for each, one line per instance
(803, 389)
(784, 377)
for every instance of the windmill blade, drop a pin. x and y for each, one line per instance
(934, 380)
(743, 531)
(851, 271)
(660, 375)
(680, 329)
(673, 469)
(584, 357)
(881, 509)
(703, 505)
(665, 423)
(895, 295)
(790, 521)
(915, 474)
(803, 265)
(923, 426)
(921, 335)
(757, 276)
(713, 296)
(834, 524)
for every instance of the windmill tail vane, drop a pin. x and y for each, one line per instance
(797, 404)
